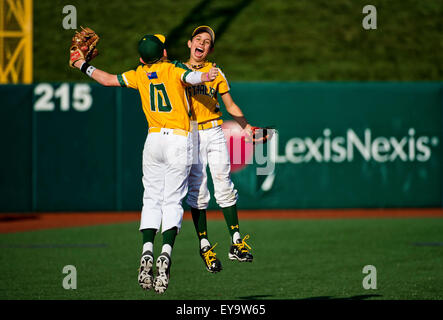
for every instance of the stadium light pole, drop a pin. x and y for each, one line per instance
(16, 60)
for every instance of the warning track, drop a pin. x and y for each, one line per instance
(19, 222)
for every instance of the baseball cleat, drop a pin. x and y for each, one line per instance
(163, 265)
(145, 274)
(240, 251)
(210, 260)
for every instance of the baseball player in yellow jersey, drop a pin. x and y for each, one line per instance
(213, 152)
(167, 154)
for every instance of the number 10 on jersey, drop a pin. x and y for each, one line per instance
(159, 98)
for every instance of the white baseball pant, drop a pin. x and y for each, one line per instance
(167, 159)
(212, 151)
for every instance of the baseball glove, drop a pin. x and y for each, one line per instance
(83, 46)
(261, 135)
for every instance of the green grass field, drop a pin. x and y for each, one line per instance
(294, 259)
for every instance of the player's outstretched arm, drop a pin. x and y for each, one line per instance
(102, 77)
(255, 135)
(234, 110)
(197, 77)
(84, 48)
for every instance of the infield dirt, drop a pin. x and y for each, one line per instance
(19, 222)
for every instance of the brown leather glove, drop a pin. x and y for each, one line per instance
(261, 135)
(83, 46)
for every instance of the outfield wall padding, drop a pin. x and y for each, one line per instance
(78, 146)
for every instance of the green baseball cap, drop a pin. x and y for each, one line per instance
(150, 47)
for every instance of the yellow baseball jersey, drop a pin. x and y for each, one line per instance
(162, 92)
(204, 101)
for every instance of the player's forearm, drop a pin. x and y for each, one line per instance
(234, 110)
(102, 77)
(238, 116)
(236, 113)
(193, 78)
(197, 77)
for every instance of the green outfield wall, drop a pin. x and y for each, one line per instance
(78, 146)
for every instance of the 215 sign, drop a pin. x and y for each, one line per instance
(46, 97)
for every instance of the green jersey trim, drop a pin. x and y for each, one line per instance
(120, 80)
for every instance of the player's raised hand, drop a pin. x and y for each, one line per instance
(212, 74)
(248, 133)
(83, 46)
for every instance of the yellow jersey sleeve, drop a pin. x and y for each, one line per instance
(222, 83)
(128, 79)
(181, 70)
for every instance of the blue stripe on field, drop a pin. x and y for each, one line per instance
(428, 244)
(54, 245)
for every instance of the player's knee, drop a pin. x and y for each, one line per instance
(227, 197)
(199, 206)
(200, 203)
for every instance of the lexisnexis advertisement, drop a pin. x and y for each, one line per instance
(335, 145)
(345, 148)
(344, 145)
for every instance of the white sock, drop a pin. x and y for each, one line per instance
(235, 237)
(204, 242)
(148, 246)
(167, 248)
